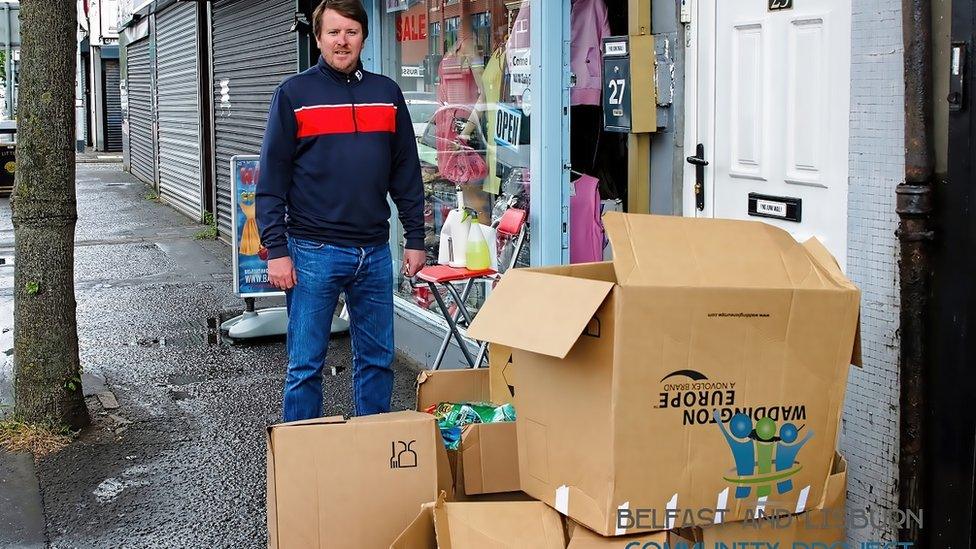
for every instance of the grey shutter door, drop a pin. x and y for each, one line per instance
(253, 51)
(141, 154)
(178, 105)
(113, 106)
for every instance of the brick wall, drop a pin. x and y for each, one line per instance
(869, 435)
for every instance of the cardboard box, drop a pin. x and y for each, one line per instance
(618, 387)
(463, 525)
(824, 527)
(486, 461)
(501, 373)
(350, 483)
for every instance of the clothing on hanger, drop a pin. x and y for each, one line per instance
(458, 95)
(585, 227)
(492, 80)
(589, 24)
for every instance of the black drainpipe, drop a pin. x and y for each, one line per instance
(914, 205)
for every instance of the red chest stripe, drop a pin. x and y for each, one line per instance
(333, 119)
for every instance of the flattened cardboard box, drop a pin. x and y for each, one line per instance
(487, 458)
(463, 525)
(704, 368)
(357, 483)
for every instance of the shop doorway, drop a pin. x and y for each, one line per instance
(768, 109)
(594, 151)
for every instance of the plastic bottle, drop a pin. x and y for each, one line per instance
(458, 240)
(454, 236)
(477, 249)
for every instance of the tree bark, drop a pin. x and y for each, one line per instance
(47, 379)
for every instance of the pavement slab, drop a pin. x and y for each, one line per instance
(21, 518)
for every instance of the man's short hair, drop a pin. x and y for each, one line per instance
(352, 9)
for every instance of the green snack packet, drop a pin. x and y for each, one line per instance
(505, 412)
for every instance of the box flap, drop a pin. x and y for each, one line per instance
(404, 416)
(272, 501)
(467, 385)
(835, 491)
(420, 533)
(501, 374)
(539, 312)
(490, 455)
(651, 250)
(819, 253)
(314, 421)
(497, 524)
(584, 538)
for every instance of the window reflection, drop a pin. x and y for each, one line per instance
(464, 67)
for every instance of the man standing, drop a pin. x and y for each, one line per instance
(338, 141)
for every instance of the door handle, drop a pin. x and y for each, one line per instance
(699, 162)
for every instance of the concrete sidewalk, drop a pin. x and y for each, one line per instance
(181, 461)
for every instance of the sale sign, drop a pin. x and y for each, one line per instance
(411, 27)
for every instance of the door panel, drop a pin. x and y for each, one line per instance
(772, 107)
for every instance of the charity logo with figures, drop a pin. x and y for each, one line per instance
(765, 456)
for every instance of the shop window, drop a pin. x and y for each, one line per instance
(434, 46)
(481, 26)
(464, 82)
(451, 27)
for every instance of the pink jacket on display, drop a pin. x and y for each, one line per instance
(589, 28)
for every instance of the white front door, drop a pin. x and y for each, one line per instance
(769, 100)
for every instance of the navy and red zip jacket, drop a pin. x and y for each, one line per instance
(335, 145)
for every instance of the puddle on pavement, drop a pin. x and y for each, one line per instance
(205, 332)
(184, 379)
(192, 333)
(148, 342)
(179, 395)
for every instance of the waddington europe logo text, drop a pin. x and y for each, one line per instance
(698, 396)
(764, 440)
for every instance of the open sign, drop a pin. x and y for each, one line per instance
(508, 127)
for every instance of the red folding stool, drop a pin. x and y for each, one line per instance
(512, 226)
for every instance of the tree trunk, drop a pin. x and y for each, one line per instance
(47, 380)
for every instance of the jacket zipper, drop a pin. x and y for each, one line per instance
(352, 101)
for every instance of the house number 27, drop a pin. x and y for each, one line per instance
(616, 91)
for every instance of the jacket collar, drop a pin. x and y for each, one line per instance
(326, 69)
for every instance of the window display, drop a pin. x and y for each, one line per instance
(464, 70)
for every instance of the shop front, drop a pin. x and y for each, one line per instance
(505, 117)
(253, 49)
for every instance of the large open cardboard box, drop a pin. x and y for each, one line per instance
(486, 461)
(351, 483)
(624, 366)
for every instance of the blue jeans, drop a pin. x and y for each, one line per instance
(366, 277)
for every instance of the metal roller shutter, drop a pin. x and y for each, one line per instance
(253, 51)
(178, 106)
(141, 149)
(113, 106)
